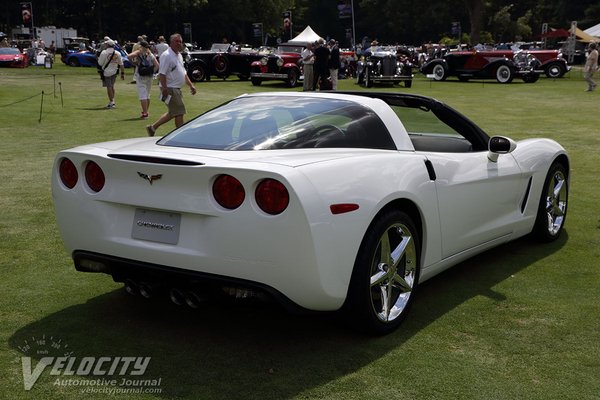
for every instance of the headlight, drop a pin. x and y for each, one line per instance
(279, 61)
(264, 60)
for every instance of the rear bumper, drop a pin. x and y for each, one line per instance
(165, 278)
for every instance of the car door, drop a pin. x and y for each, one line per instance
(478, 199)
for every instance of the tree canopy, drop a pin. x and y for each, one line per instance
(390, 21)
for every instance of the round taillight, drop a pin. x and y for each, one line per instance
(94, 176)
(68, 173)
(228, 192)
(272, 196)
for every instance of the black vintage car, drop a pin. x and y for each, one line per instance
(489, 64)
(222, 60)
(384, 65)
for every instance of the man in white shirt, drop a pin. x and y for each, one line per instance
(110, 61)
(161, 46)
(172, 76)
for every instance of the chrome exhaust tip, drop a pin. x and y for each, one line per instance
(193, 299)
(147, 289)
(177, 296)
(131, 287)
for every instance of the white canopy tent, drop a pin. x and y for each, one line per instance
(306, 36)
(593, 31)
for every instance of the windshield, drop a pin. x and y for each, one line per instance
(267, 123)
(9, 50)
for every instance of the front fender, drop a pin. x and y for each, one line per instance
(427, 68)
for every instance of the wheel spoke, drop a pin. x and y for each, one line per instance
(402, 284)
(399, 251)
(385, 303)
(380, 276)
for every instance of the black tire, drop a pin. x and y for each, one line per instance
(504, 74)
(552, 209)
(256, 81)
(292, 79)
(439, 72)
(382, 289)
(360, 78)
(531, 78)
(197, 71)
(73, 62)
(555, 70)
(368, 80)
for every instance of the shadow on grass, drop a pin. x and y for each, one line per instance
(259, 351)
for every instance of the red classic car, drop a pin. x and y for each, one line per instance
(12, 57)
(283, 65)
(552, 63)
(484, 65)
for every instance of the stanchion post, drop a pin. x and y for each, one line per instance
(61, 97)
(41, 107)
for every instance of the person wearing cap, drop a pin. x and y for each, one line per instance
(172, 77)
(143, 80)
(591, 65)
(111, 62)
(334, 63)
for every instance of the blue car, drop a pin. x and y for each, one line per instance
(80, 54)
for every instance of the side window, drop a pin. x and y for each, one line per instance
(428, 133)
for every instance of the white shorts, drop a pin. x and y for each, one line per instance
(144, 86)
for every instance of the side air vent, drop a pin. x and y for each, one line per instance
(526, 197)
(153, 160)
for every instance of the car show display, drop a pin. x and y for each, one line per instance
(222, 61)
(337, 201)
(284, 65)
(385, 65)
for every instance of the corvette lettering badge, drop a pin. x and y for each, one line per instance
(150, 178)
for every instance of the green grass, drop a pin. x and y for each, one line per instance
(517, 322)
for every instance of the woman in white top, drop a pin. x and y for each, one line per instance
(146, 66)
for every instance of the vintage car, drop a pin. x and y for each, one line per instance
(324, 201)
(222, 60)
(283, 65)
(486, 64)
(385, 65)
(13, 57)
(552, 63)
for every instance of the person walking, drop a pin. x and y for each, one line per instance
(308, 59)
(591, 65)
(111, 62)
(321, 70)
(334, 63)
(172, 76)
(144, 70)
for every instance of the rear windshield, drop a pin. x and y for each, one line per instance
(267, 123)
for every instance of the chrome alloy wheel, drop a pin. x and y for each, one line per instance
(556, 202)
(393, 272)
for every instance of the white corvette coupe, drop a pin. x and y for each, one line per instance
(323, 201)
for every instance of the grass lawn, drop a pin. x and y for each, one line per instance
(517, 322)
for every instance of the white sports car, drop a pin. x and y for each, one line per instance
(323, 201)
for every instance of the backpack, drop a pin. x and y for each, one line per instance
(146, 66)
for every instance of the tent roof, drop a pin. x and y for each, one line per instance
(593, 31)
(307, 35)
(584, 37)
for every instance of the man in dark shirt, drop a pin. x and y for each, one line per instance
(334, 63)
(321, 68)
